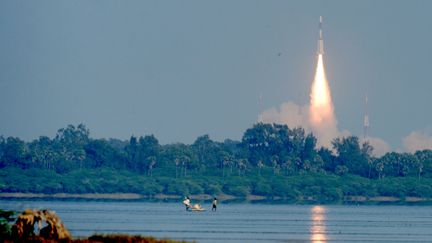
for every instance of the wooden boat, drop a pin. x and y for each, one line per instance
(197, 208)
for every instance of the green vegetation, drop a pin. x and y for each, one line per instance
(6, 218)
(271, 160)
(23, 228)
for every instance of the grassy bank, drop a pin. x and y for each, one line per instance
(207, 197)
(124, 185)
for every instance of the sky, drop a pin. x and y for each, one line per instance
(181, 69)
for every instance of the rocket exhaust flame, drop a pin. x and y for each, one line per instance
(321, 111)
(318, 116)
(321, 105)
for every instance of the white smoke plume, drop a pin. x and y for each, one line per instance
(380, 146)
(317, 117)
(418, 140)
(290, 114)
(295, 115)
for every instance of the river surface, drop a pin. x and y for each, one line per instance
(237, 222)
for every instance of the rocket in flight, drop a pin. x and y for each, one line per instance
(320, 40)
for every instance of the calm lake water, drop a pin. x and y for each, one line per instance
(243, 222)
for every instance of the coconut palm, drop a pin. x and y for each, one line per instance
(152, 162)
(260, 165)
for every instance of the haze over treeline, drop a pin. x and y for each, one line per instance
(270, 159)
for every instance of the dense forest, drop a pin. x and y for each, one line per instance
(270, 160)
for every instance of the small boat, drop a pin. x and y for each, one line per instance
(197, 208)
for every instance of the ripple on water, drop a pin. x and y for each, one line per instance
(243, 222)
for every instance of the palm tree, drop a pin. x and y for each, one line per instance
(185, 161)
(276, 166)
(177, 163)
(260, 165)
(298, 164)
(287, 165)
(370, 162)
(420, 170)
(241, 165)
(152, 163)
(227, 161)
(379, 168)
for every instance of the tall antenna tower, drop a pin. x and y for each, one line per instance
(260, 118)
(366, 120)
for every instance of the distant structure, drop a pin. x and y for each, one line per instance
(366, 120)
(260, 107)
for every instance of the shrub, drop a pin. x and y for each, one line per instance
(240, 191)
(6, 217)
(262, 188)
(213, 189)
(280, 188)
(151, 188)
(179, 188)
(194, 188)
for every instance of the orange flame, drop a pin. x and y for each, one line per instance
(321, 105)
(321, 111)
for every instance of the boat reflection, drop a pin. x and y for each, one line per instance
(318, 228)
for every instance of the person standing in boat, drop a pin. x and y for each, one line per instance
(214, 204)
(186, 202)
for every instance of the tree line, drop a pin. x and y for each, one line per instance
(266, 151)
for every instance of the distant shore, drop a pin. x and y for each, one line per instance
(386, 199)
(119, 196)
(222, 197)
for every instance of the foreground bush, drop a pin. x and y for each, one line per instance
(125, 239)
(23, 230)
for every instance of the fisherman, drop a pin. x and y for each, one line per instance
(214, 204)
(186, 202)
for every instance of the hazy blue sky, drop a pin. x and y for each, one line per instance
(180, 69)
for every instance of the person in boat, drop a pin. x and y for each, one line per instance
(186, 202)
(214, 204)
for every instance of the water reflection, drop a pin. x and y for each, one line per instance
(318, 229)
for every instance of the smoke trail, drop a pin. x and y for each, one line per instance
(418, 140)
(380, 146)
(317, 117)
(290, 114)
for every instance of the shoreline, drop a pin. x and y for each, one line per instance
(120, 196)
(204, 197)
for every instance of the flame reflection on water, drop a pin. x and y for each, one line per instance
(318, 229)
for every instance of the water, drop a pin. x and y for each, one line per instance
(243, 222)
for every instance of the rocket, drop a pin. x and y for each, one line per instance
(320, 40)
